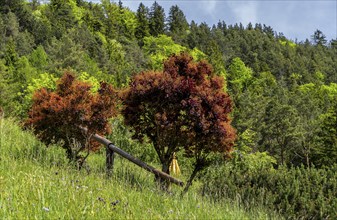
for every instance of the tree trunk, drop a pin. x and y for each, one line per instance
(164, 183)
(197, 168)
(307, 159)
(70, 154)
(282, 155)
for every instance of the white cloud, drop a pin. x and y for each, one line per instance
(208, 7)
(245, 11)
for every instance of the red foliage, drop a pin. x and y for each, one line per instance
(56, 116)
(184, 106)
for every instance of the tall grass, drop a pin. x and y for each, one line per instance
(38, 183)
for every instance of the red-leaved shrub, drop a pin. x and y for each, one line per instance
(183, 107)
(56, 116)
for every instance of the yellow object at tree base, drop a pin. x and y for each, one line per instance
(174, 167)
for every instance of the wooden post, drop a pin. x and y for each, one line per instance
(142, 164)
(136, 161)
(110, 157)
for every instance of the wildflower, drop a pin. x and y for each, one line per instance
(115, 203)
(101, 199)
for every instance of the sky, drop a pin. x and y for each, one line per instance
(296, 19)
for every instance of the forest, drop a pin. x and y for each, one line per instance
(274, 142)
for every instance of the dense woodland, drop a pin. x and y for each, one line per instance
(284, 93)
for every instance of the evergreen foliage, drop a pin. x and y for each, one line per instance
(296, 193)
(156, 20)
(103, 40)
(177, 24)
(142, 29)
(283, 92)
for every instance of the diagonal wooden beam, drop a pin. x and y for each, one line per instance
(135, 160)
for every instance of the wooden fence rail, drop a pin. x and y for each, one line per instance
(131, 158)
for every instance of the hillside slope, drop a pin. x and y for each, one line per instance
(37, 183)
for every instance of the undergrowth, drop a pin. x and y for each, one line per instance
(37, 182)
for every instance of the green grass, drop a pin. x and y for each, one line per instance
(37, 183)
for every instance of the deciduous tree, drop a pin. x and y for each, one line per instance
(183, 107)
(57, 115)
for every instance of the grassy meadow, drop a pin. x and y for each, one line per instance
(38, 183)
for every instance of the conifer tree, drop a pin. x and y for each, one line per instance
(319, 38)
(142, 29)
(157, 20)
(326, 152)
(177, 23)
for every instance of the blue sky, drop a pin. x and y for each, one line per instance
(296, 19)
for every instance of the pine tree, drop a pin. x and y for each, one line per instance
(177, 23)
(10, 5)
(157, 20)
(319, 38)
(142, 29)
(326, 152)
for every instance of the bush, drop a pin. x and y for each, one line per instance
(306, 193)
(57, 116)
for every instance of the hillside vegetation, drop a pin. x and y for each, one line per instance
(283, 91)
(37, 183)
(250, 115)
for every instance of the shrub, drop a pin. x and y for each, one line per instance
(57, 116)
(297, 193)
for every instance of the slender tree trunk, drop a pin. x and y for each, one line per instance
(166, 168)
(70, 154)
(307, 152)
(197, 168)
(282, 155)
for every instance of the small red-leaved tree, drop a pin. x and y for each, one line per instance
(57, 116)
(183, 107)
